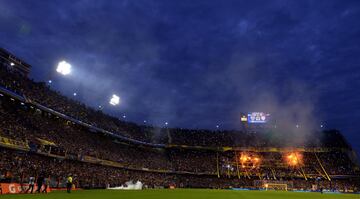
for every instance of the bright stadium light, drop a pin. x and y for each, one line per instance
(75, 94)
(63, 68)
(166, 123)
(115, 100)
(12, 64)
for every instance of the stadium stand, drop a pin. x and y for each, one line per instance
(45, 133)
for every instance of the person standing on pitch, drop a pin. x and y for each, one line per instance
(69, 184)
(46, 184)
(40, 182)
(31, 184)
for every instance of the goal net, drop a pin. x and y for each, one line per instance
(275, 186)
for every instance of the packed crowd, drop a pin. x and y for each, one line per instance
(50, 136)
(23, 123)
(16, 166)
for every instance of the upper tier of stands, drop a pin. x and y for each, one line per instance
(41, 96)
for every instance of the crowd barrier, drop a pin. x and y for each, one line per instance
(15, 188)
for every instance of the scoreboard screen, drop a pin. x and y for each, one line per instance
(258, 118)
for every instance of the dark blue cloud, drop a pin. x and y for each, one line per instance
(197, 63)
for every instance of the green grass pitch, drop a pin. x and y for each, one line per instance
(179, 194)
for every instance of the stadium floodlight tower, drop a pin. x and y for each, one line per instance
(115, 100)
(63, 68)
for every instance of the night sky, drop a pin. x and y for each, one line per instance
(197, 64)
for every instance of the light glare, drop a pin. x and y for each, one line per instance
(115, 100)
(63, 68)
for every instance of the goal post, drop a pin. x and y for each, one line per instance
(275, 186)
(284, 185)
